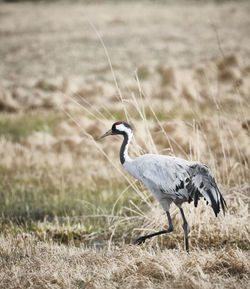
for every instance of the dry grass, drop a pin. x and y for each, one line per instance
(56, 266)
(68, 210)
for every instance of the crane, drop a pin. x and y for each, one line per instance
(170, 179)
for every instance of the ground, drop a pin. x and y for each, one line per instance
(180, 75)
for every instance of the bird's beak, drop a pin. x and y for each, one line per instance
(109, 132)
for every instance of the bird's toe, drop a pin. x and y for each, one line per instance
(139, 241)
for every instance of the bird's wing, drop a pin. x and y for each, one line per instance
(167, 175)
(202, 182)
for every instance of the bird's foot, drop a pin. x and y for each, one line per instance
(140, 240)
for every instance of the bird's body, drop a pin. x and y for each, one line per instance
(173, 179)
(162, 176)
(170, 179)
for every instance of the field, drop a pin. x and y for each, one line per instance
(180, 75)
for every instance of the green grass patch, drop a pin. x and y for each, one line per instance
(18, 126)
(71, 214)
(39, 196)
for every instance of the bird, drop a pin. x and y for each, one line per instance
(170, 179)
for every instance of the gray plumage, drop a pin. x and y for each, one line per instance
(170, 179)
(176, 180)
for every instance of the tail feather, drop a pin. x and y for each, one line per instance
(202, 182)
(223, 205)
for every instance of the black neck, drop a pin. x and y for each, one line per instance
(124, 143)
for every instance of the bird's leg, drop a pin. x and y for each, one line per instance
(170, 229)
(184, 226)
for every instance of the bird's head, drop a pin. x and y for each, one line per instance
(119, 127)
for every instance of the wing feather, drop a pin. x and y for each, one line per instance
(168, 175)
